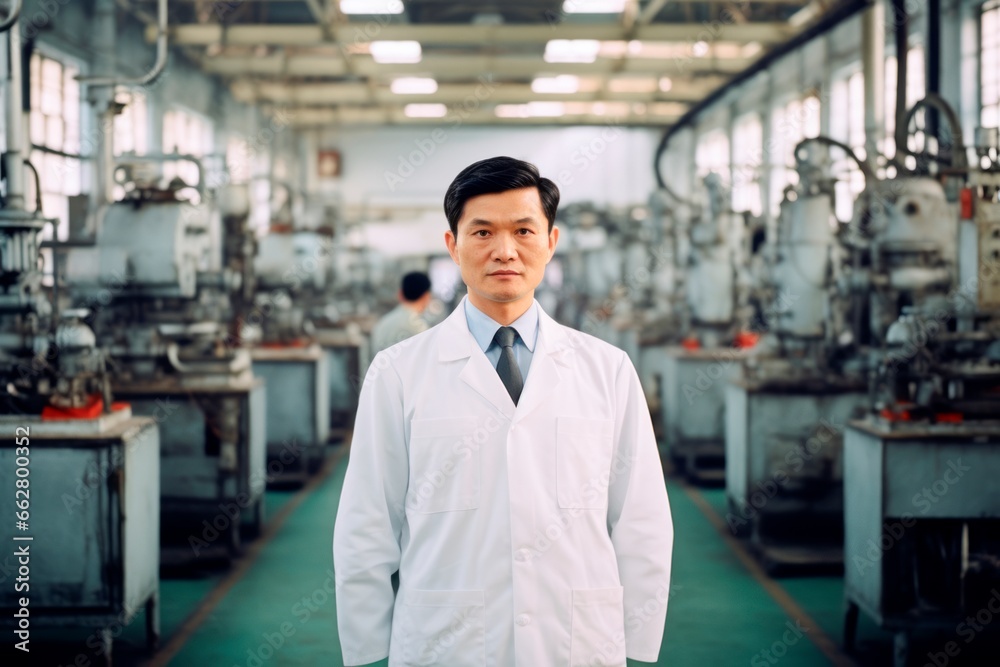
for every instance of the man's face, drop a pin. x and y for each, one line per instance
(503, 245)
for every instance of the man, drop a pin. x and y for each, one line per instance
(404, 320)
(515, 485)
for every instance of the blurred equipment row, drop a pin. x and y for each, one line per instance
(167, 369)
(845, 375)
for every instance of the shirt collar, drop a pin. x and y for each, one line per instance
(484, 328)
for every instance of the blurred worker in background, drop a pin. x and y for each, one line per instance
(405, 319)
(505, 467)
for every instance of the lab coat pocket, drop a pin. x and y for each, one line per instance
(598, 636)
(443, 628)
(583, 462)
(444, 465)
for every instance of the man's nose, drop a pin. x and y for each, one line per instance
(505, 249)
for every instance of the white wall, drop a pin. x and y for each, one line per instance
(414, 165)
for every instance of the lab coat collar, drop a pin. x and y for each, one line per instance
(552, 351)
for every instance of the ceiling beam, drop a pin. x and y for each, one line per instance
(469, 68)
(468, 35)
(333, 94)
(306, 117)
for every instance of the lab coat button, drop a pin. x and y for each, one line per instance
(523, 619)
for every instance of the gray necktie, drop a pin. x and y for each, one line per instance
(507, 367)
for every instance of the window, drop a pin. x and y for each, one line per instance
(187, 133)
(131, 127)
(748, 144)
(238, 162)
(847, 125)
(989, 65)
(3, 123)
(712, 154)
(54, 123)
(790, 124)
(132, 124)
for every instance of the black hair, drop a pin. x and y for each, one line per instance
(494, 175)
(415, 284)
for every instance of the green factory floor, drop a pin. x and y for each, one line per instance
(276, 607)
(282, 612)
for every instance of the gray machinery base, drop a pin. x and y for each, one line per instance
(921, 528)
(213, 468)
(298, 413)
(344, 359)
(94, 494)
(693, 404)
(784, 470)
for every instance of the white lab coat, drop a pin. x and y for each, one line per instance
(538, 535)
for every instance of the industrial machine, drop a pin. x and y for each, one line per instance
(603, 272)
(922, 507)
(292, 272)
(156, 262)
(80, 473)
(711, 253)
(786, 414)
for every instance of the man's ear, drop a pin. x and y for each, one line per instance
(452, 244)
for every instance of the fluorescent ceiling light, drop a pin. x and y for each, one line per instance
(618, 109)
(662, 50)
(371, 6)
(632, 85)
(511, 111)
(546, 109)
(564, 83)
(667, 108)
(594, 6)
(572, 50)
(396, 52)
(700, 49)
(666, 84)
(613, 48)
(414, 85)
(425, 110)
(615, 109)
(530, 110)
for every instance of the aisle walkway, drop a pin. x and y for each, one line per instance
(282, 610)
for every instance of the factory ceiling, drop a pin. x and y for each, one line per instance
(389, 62)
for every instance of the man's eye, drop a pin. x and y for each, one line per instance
(524, 232)
(481, 233)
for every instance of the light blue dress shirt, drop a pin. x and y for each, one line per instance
(484, 328)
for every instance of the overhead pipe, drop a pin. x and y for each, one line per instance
(13, 159)
(934, 102)
(902, 21)
(873, 65)
(841, 12)
(933, 59)
(102, 92)
(158, 66)
(12, 14)
(865, 168)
